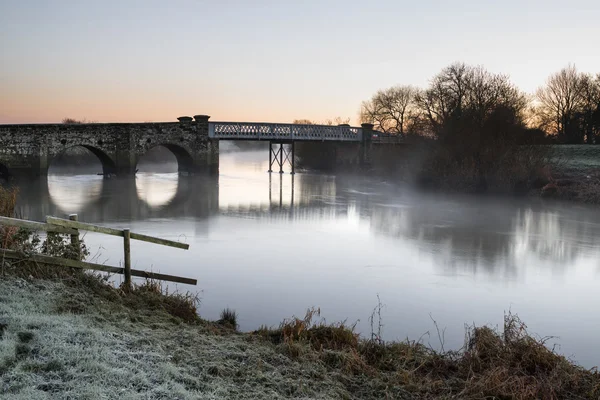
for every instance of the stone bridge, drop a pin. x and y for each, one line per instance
(28, 150)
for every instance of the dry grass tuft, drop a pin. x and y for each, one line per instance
(8, 201)
(146, 298)
(515, 364)
(229, 318)
(319, 335)
(152, 295)
(511, 364)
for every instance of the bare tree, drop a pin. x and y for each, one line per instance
(444, 98)
(486, 92)
(588, 118)
(464, 93)
(334, 121)
(72, 121)
(391, 109)
(303, 122)
(561, 98)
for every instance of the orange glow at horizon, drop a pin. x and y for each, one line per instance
(138, 61)
(23, 109)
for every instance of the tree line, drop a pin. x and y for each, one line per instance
(469, 100)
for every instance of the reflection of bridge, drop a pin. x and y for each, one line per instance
(29, 149)
(195, 197)
(453, 229)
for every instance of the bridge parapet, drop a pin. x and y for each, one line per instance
(291, 132)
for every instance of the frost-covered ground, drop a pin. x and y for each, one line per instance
(60, 341)
(78, 338)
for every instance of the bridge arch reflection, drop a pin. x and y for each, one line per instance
(101, 200)
(72, 194)
(157, 190)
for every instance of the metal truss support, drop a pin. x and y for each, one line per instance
(281, 155)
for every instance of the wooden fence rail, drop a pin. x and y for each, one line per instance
(74, 224)
(35, 226)
(72, 227)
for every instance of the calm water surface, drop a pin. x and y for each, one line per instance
(270, 246)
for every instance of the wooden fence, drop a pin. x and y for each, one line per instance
(72, 227)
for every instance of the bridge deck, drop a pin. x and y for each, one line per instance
(291, 132)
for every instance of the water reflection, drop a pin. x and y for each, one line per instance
(463, 234)
(471, 235)
(337, 241)
(157, 190)
(97, 199)
(72, 194)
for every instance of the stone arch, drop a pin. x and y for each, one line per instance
(108, 165)
(185, 161)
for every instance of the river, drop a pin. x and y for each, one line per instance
(270, 246)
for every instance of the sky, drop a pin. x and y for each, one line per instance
(268, 61)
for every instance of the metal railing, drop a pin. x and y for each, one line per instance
(296, 132)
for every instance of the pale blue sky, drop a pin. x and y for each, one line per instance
(267, 60)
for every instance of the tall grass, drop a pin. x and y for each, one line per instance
(493, 364)
(8, 201)
(229, 318)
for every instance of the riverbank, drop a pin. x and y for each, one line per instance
(563, 172)
(573, 185)
(71, 335)
(574, 174)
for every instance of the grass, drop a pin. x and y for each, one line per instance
(151, 295)
(507, 364)
(579, 157)
(8, 201)
(229, 318)
(112, 350)
(318, 335)
(574, 173)
(79, 337)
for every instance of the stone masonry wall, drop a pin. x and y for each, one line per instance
(29, 149)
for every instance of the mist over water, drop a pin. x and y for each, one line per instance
(271, 245)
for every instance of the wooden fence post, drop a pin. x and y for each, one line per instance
(127, 259)
(75, 239)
